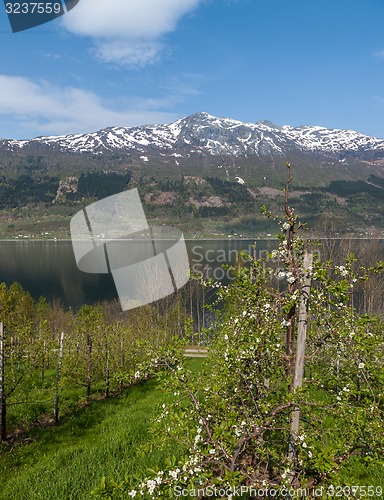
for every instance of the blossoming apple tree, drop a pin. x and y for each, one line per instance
(235, 417)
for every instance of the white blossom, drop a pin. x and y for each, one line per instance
(343, 271)
(151, 485)
(174, 473)
(285, 473)
(237, 431)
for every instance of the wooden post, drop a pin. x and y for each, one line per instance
(300, 350)
(3, 400)
(43, 361)
(56, 406)
(107, 374)
(89, 368)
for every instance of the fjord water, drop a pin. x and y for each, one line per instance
(48, 268)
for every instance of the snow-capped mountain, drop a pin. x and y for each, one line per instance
(204, 134)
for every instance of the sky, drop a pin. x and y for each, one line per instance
(135, 62)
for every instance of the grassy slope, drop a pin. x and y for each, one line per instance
(68, 461)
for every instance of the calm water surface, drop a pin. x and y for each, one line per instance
(48, 268)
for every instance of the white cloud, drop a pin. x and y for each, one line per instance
(127, 31)
(127, 18)
(42, 109)
(128, 52)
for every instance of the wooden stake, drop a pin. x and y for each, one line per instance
(3, 400)
(56, 406)
(300, 350)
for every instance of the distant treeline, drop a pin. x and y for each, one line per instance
(233, 191)
(25, 189)
(100, 185)
(374, 187)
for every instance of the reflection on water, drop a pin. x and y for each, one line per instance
(48, 268)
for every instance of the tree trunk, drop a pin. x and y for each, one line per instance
(290, 344)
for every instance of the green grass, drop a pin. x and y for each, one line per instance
(67, 461)
(359, 473)
(356, 470)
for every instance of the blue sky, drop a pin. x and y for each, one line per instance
(132, 62)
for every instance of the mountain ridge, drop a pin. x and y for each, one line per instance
(202, 133)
